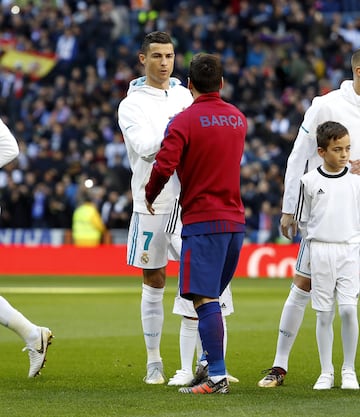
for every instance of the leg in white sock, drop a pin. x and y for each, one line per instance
(14, 320)
(290, 321)
(152, 317)
(225, 335)
(199, 348)
(349, 334)
(325, 339)
(188, 341)
(230, 377)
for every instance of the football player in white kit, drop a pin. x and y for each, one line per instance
(189, 335)
(342, 104)
(328, 214)
(151, 101)
(37, 338)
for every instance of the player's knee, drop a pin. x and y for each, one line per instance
(298, 297)
(154, 277)
(301, 282)
(347, 312)
(325, 318)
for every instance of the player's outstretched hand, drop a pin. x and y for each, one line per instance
(355, 167)
(150, 208)
(288, 225)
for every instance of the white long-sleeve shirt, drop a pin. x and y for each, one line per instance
(9, 148)
(342, 105)
(329, 206)
(143, 116)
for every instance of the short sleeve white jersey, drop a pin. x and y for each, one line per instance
(9, 148)
(342, 105)
(143, 116)
(328, 209)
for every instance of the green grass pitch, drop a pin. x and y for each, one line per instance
(96, 362)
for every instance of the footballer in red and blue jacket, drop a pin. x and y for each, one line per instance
(204, 144)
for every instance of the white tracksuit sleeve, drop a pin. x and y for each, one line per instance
(139, 130)
(9, 148)
(304, 153)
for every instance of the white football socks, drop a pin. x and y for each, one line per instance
(14, 320)
(188, 341)
(349, 334)
(225, 334)
(290, 322)
(152, 317)
(325, 338)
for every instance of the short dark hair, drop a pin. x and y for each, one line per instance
(328, 131)
(155, 37)
(206, 72)
(355, 60)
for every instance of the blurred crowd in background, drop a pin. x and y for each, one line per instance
(277, 56)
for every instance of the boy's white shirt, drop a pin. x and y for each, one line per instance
(143, 116)
(329, 206)
(341, 105)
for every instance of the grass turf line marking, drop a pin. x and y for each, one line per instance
(68, 290)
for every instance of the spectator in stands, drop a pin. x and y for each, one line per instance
(116, 210)
(59, 208)
(87, 226)
(66, 50)
(277, 57)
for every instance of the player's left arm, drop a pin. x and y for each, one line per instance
(167, 161)
(154, 186)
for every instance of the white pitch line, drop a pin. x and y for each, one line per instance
(68, 290)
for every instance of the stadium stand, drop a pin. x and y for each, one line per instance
(66, 65)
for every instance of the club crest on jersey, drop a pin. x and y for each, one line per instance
(144, 258)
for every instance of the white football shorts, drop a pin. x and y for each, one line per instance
(185, 307)
(302, 266)
(147, 245)
(335, 274)
(173, 232)
(175, 242)
(182, 306)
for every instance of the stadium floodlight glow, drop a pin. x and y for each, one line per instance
(15, 9)
(89, 183)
